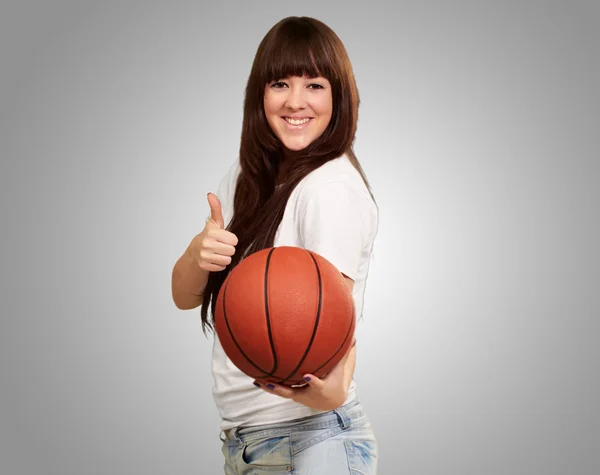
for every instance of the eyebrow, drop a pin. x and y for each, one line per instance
(306, 78)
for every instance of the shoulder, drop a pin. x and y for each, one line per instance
(228, 181)
(226, 189)
(335, 197)
(233, 171)
(336, 178)
(336, 216)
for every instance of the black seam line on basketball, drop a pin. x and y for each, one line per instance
(266, 374)
(338, 350)
(268, 315)
(331, 357)
(316, 325)
(231, 331)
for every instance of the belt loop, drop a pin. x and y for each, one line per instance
(229, 434)
(343, 416)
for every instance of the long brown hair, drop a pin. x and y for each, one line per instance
(295, 46)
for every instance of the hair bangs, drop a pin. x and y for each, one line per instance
(296, 53)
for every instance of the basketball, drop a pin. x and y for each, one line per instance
(283, 312)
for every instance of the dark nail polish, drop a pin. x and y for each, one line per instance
(270, 386)
(256, 384)
(307, 378)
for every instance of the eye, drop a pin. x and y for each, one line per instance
(278, 84)
(318, 86)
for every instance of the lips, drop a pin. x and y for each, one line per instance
(298, 126)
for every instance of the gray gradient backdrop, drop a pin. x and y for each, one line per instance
(479, 132)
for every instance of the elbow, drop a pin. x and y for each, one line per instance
(187, 305)
(186, 302)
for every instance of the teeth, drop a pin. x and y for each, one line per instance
(297, 121)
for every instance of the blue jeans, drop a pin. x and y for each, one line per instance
(333, 443)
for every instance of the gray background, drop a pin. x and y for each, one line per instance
(479, 132)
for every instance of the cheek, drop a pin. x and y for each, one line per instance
(268, 109)
(325, 107)
(326, 110)
(271, 103)
(272, 120)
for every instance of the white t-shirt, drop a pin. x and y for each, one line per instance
(331, 213)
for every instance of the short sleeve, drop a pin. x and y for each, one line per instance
(335, 222)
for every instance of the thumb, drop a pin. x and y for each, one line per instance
(216, 213)
(314, 382)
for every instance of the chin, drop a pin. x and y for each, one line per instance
(295, 147)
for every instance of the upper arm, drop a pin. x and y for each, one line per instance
(335, 221)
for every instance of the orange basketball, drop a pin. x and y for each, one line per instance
(283, 312)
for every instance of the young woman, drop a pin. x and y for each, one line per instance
(297, 183)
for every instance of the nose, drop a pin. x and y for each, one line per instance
(296, 98)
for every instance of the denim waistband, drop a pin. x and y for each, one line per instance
(346, 416)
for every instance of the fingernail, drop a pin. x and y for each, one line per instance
(270, 386)
(256, 384)
(307, 378)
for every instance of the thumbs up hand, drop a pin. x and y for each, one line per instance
(213, 247)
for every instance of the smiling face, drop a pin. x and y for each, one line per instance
(298, 109)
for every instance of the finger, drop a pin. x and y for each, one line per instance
(214, 246)
(224, 236)
(278, 389)
(216, 213)
(314, 382)
(215, 259)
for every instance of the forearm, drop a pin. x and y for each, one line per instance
(188, 282)
(349, 368)
(337, 397)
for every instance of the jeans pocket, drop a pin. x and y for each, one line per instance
(362, 455)
(268, 453)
